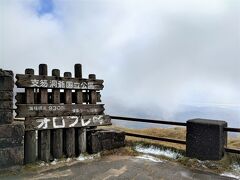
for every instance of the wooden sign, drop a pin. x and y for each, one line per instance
(52, 110)
(66, 122)
(50, 104)
(53, 82)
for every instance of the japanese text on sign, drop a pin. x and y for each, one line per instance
(61, 84)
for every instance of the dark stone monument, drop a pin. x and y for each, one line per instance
(99, 140)
(206, 139)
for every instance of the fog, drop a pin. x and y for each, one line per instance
(172, 60)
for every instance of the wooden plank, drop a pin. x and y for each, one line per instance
(68, 92)
(55, 95)
(76, 97)
(52, 82)
(39, 123)
(57, 143)
(78, 70)
(52, 110)
(92, 93)
(69, 142)
(56, 134)
(82, 139)
(81, 97)
(69, 137)
(43, 136)
(30, 142)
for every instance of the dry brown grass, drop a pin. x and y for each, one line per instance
(234, 142)
(175, 133)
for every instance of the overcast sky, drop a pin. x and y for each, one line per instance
(157, 57)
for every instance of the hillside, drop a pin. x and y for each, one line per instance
(175, 133)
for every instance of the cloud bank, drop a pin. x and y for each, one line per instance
(160, 59)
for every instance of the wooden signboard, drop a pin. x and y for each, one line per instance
(59, 109)
(54, 82)
(66, 122)
(54, 110)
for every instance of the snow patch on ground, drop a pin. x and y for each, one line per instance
(87, 157)
(230, 175)
(235, 172)
(157, 151)
(54, 162)
(148, 157)
(68, 159)
(42, 164)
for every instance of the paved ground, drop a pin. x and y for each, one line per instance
(122, 167)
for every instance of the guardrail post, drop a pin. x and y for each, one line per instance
(206, 139)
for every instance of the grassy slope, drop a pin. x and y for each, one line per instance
(175, 133)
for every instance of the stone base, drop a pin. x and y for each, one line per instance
(6, 95)
(99, 140)
(11, 144)
(6, 116)
(206, 139)
(11, 156)
(6, 83)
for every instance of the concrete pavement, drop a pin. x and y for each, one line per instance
(122, 167)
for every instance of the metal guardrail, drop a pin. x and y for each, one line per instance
(149, 120)
(178, 141)
(230, 150)
(232, 129)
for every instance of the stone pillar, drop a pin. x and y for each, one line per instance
(206, 139)
(100, 140)
(6, 97)
(11, 133)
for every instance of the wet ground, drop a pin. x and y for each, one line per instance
(121, 167)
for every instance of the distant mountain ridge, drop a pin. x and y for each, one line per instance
(230, 114)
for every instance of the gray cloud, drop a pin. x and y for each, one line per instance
(162, 59)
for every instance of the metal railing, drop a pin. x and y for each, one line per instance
(178, 141)
(154, 121)
(149, 120)
(232, 150)
(232, 129)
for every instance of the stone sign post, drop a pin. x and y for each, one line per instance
(11, 132)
